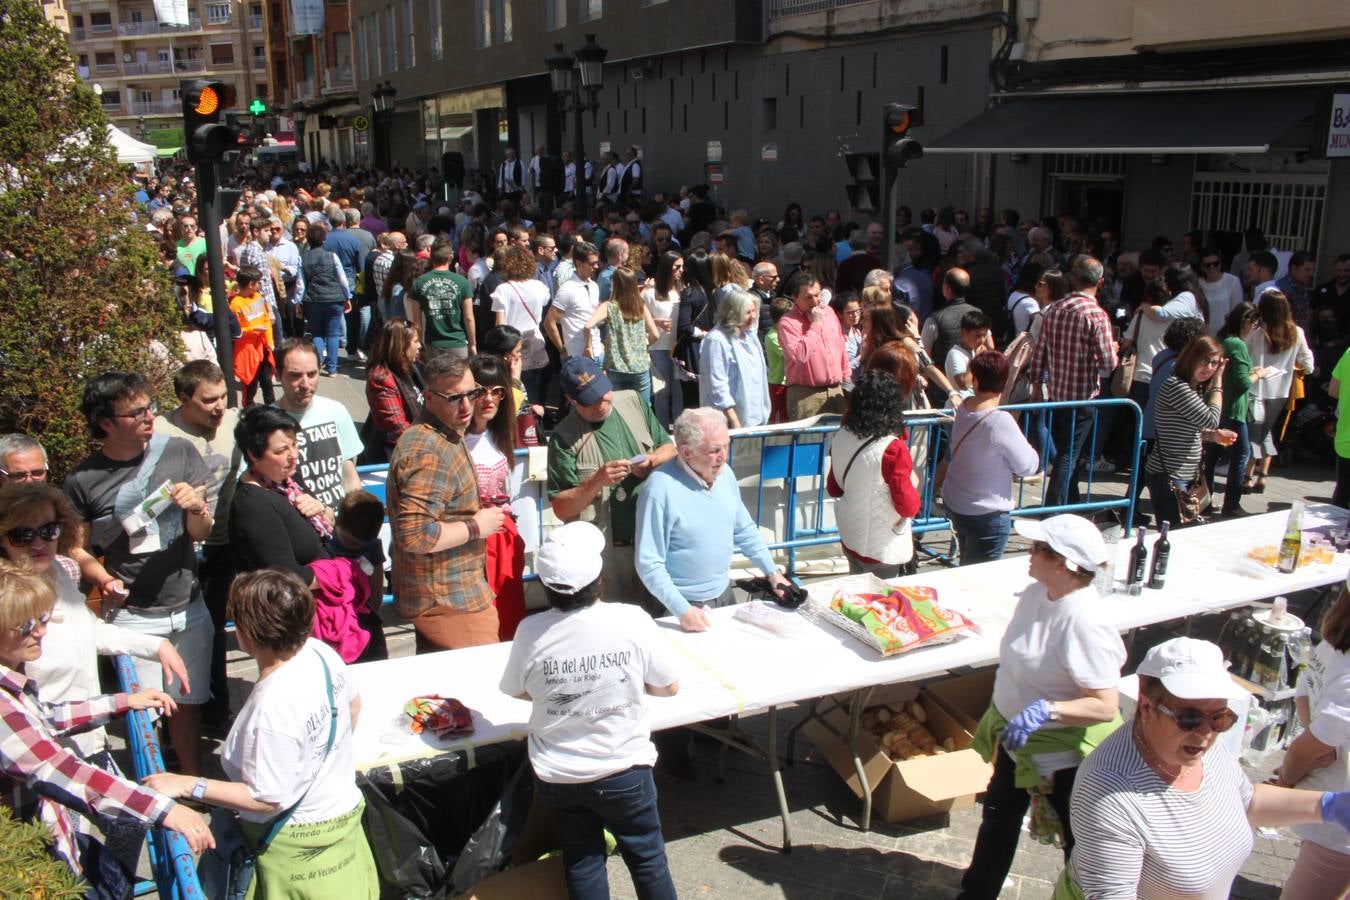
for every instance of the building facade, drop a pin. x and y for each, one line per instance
(136, 62)
(1151, 119)
(314, 53)
(760, 99)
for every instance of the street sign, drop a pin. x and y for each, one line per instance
(714, 151)
(361, 123)
(768, 153)
(1338, 129)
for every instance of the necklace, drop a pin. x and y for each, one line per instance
(1171, 773)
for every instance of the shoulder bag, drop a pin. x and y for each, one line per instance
(226, 871)
(1193, 499)
(1123, 377)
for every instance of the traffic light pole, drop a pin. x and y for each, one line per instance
(208, 216)
(890, 182)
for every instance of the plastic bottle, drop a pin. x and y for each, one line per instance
(1157, 566)
(1134, 577)
(1292, 544)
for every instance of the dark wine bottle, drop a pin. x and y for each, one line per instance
(1134, 578)
(1157, 567)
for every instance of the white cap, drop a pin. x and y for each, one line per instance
(1190, 669)
(1072, 537)
(570, 558)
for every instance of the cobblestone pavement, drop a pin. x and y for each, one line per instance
(724, 839)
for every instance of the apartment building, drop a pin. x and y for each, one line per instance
(135, 62)
(313, 55)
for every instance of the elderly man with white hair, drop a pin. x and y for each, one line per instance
(689, 520)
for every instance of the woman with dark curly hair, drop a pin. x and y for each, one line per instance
(872, 476)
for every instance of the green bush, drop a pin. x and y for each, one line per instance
(27, 868)
(82, 290)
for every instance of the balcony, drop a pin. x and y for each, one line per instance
(97, 30)
(781, 8)
(337, 80)
(154, 29)
(259, 63)
(105, 68)
(304, 90)
(255, 23)
(111, 104)
(153, 67)
(152, 107)
(77, 34)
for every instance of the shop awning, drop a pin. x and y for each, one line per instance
(1188, 122)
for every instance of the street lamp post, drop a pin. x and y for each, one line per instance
(576, 81)
(382, 98)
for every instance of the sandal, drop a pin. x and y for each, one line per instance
(1248, 485)
(1260, 486)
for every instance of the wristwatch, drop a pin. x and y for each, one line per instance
(1054, 711)
(199, 789)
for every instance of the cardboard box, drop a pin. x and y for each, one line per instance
(910, 788)
(965, 697)
(540, 880)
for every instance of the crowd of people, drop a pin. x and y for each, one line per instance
(631, 343)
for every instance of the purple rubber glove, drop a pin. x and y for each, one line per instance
(1336, 808)
(1024, 723)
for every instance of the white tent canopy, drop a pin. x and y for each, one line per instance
(129, 150)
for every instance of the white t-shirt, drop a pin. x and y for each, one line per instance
(277, 743)
(1054, 649)
(1326, 683)
(663, 309)
(1023, 307)
(958, 363)
(478, 271)
(1222, 296)
(327, 438)
(575, 302)
(523, 302)
(585, 671)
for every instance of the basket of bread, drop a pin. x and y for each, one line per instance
(901, 731)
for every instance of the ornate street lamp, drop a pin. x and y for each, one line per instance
(576, 82)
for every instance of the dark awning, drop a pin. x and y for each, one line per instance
(1190, 122)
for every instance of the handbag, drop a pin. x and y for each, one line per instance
(226, 871)
(1123, 377)
(1192, 500)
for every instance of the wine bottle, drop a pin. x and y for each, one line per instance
(1157, 567)
(1292, 544)
(1134, 578)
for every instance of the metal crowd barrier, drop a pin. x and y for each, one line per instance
(783, 470)
(171, 859)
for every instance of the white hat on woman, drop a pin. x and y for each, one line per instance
(1072, 537)
(1190, 669)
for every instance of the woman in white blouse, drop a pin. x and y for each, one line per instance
(663, 302)
(1279, 345)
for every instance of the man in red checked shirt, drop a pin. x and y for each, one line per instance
(1076, 348)
(814, 359)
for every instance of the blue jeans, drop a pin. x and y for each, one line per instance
(325, 322)
(1238, 454)
(358, 320)
(667, 402)
(1070, 429)
(625, 804)
(980, 538)
(633, 381)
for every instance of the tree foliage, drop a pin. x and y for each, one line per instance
(82, 290)
(27, 867)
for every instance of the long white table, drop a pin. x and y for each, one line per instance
(735, 669)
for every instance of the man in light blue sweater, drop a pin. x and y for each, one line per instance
(690, 518)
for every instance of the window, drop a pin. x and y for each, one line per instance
(482, 23)
(501, 16)
(136, 16)
(222, 54)
(392, 38)
(112, 98)
(409, 48)
(379, 49)
(342, 59)
(363, 61)
(770, 113)
(434, 26)
(145, 97)
(591, 9)
(555, 14)
(217, 13)
(100, 23)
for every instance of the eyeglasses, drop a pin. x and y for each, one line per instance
(23, 535)
(1192, 719)
(26, 629)
(139, 412)
(30, 475)
(472, 396)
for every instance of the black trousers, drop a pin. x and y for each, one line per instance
(1005, 806)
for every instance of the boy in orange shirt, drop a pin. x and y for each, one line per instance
(253, 348)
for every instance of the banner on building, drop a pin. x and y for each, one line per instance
(306, 16)
(171, 12)
(1338, 132)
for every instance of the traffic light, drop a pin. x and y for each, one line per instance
(864, 195)
(897, 147)
(204, 103)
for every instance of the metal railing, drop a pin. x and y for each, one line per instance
(77, 33)
(304, 89)
(338, 79)
(255, 22)
(152, 107)
(780, 8)
(148, 67)
(150, 29)
(171, 860)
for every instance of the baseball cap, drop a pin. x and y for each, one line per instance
(1072, 537)
(583, 381)
(1190, 669)
(793, 253)
(570, 557)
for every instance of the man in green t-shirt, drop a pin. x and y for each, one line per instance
(442, 305)
(1339, 375)
(599, 456)
(189, 245)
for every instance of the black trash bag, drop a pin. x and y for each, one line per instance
(439, 802)
(487, 850)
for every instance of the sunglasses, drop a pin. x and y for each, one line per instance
(1192, 719)
(30, 475)
(23, 535)
(139, 412)
(472, 396)
(26, 629)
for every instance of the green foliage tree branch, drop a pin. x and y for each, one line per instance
(27, 867)
(82, 290)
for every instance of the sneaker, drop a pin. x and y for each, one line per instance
(1103, 466)
(361, 356)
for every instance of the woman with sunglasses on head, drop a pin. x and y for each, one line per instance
(663, 301)
(491, 441)
(1281, 346)
(45, 779)
(1054, 698)
(1161, 808)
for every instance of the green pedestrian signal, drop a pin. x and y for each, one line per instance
(257, 107)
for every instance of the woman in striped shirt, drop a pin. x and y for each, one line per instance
(1187, 413)
(1160, 809)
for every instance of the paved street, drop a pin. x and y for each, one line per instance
(724, 839)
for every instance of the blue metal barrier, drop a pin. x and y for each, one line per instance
(171, 860)
(779, 458)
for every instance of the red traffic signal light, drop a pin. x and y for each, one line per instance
(203, 103)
